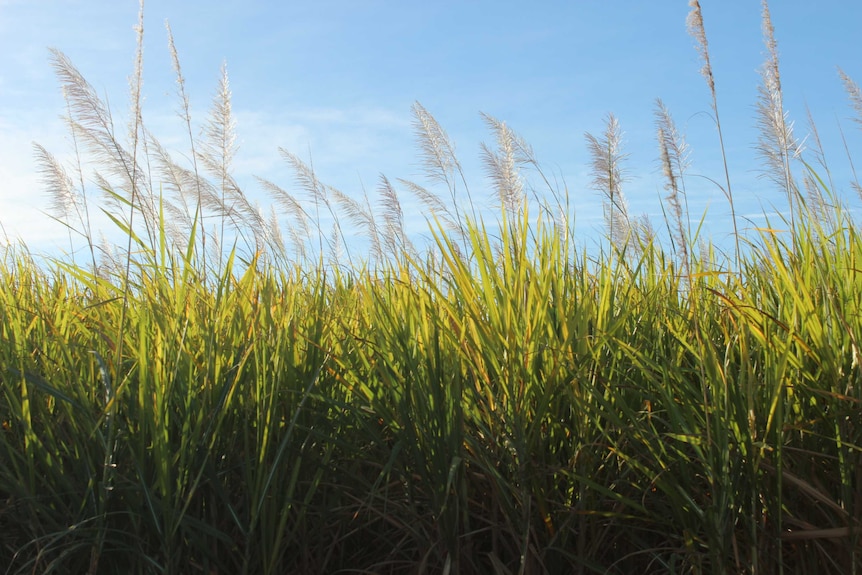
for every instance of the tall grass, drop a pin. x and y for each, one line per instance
(209, 398)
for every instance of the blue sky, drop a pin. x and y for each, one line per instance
(334, 81)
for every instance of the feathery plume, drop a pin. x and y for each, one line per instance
(299, 232)
(439, 159)
(276, 240)
(694, 22)
(59, 185)
(220, 144)
(643, 231)
(308, 181)
(436, 149)
(674, 160)
(361, 217)
(185, 115)
(697, 30)
(813, 189)
(394, 236)
(433, 204)
(140, 188)
(776, 143)
(216, 155)
(90, 120)
(502, 166)
(854, 93)
(337, 246)
(607, 159)
(219, 147)
(176, 179)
